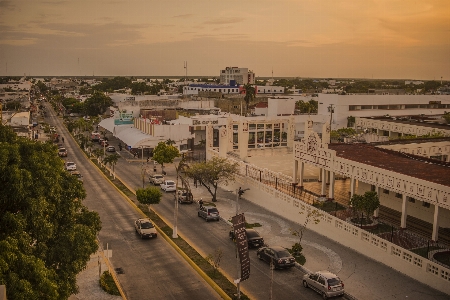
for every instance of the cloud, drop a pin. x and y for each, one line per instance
(183, 16)
(223, 20)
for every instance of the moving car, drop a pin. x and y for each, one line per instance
(325, 283)
(110, 149)
(280, 257)
(62, 152)
(168, 186)
(70, 166)
(208, 213)
(156, 179)
(145, 228)
(254, 239)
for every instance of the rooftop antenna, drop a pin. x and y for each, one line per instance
(185, 68)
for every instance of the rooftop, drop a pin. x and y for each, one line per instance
(406, 164)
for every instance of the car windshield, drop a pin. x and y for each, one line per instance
(283, 253)
(158, 177)
(70, 163)
(146, 225)
(252, 234)
(62, 150)
(170, 183)
(213, 210)
(333, 281)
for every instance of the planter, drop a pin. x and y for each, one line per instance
(372, 225)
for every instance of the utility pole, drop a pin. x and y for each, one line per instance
(239, 193)
(331, 110)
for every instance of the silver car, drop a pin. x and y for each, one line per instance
(325, 283)
(208, 213)
(157, 179)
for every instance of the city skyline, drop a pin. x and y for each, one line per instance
(335, 39)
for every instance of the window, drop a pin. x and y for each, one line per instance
(425, 204)
(412, 200)
(398, 195)
(372, 188)
(385, 191)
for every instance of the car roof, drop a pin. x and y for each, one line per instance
(69, 162)
(144, 220)
(327, 274)
(154, 175)
(170, 181)
(277, 248)
(62, 149)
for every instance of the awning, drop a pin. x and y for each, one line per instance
(130, 135)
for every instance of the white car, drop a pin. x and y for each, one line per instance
(168, 186)
(70, 166)
(157, 179)
(145, 228)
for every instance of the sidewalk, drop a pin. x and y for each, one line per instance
(88, 281)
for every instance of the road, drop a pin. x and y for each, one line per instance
(152, 268)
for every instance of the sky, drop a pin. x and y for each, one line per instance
(380, 39)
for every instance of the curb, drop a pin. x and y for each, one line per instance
(213, 285)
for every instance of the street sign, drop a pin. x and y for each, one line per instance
(242, 245)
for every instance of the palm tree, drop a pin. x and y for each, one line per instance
(112, 161)
(170, 142)
(249, 93)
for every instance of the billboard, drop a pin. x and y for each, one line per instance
(242, 245)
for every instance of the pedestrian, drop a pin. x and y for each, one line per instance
(148, 159)
(200, 202)
(195, 182)
(134, 154)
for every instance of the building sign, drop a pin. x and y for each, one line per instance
(434, 102)
(130, 98)
(121, 118)
(242, 245)
(205, 122)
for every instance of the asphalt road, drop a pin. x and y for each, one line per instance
(207, 237)
(152, 268)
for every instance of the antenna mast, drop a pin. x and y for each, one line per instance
(185, 68)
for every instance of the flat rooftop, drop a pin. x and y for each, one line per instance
(410, 165)
(424, 121)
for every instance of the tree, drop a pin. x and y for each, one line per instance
(150, 195)
(213, 172)
(46, 234)
(112, 161)
(312, 215)
(249, 93)
(97, 104)
(165, 154)
(366, 203)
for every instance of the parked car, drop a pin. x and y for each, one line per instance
(77, 175)
(70, 166)
(145, 228)
(280, 257)
(156, 179)
(208, 213)
(325, 283)
(185, 197)
(168, 186)
(110, 149)
(254, 239)
(62, 152)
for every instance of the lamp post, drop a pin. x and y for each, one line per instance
(239, 192)
(331, 110)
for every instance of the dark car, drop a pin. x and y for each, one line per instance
(254, 240)
(280, 257)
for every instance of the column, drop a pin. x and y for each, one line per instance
(404, 211)
(328, 176)
(435, 235)
(352, 186)
(377, 211)
(295, 174)
(223, 141)
(243, 139)
(324, 182)
(320, 175)
(302, 171)
(331, 188)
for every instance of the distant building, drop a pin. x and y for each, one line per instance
(237, 75)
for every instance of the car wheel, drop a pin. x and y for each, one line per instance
(324, 296)
(305, 284)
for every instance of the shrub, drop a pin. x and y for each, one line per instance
(108, 285)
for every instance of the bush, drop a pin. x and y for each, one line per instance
(108, 285)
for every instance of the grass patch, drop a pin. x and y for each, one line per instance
(381, 228)
(108, 285)
(251, 225)
(424, 250)
(328, 206)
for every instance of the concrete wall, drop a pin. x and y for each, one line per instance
(344, 233)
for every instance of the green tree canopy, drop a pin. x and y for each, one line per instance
(150, 195)
(97, 104)
(164, 153)
(46, 234)
(213, 172)
(250, 92)
(366, 203)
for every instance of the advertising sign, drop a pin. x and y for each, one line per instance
(242, 245)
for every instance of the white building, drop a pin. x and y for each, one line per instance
(379, 105)
(239, 75)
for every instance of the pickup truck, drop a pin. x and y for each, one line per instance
(185, 197)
